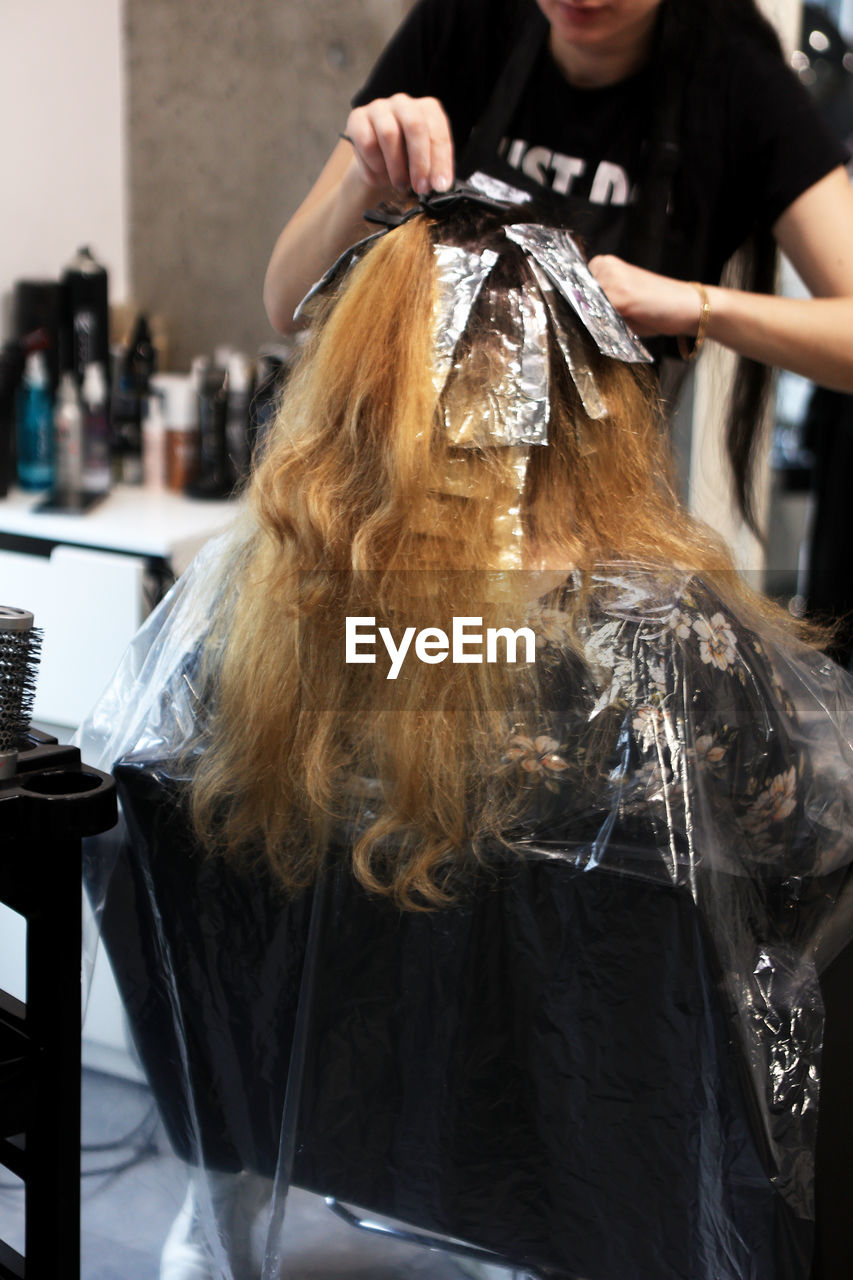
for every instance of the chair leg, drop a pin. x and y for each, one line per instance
(53, 1021)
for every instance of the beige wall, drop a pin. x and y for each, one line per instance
(233, 106)
(61, 96)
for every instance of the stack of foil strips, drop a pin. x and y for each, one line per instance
(517, 398)
(497, 394)
(517, 402)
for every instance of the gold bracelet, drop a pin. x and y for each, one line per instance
(690, 353)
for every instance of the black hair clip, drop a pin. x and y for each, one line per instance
(390, 217)
(490, 195)
(439, 202)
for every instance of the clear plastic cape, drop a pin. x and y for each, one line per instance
(604, 1059)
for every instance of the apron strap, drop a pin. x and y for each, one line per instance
(485, 137)
(646, 234)
(641, 240)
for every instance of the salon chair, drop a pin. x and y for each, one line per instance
(46, 809)
(547, 1070)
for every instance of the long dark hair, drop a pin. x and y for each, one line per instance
(688, 32)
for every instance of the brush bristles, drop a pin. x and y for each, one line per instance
(19, 658)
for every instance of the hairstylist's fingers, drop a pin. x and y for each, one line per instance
(609, 271)
(650, 303)
(429, 144)
(403, 142)
(378, 143)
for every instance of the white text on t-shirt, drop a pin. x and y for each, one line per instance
(610, 183)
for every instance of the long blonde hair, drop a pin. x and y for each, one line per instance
(354, 516)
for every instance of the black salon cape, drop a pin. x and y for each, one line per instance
(545, 1070)
(602, 1061)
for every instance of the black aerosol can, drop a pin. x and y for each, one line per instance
(86, 329)
(215, 477)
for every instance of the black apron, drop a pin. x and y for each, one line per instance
(658, 244)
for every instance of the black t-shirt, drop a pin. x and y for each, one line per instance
(751, 140)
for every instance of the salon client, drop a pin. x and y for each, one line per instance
(536, 1067)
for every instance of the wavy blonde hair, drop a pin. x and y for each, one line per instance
(355, 516)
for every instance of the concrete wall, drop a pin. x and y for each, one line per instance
(233, 107)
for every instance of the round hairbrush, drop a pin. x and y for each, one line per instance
(20, 648)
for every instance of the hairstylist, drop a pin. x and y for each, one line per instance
(672, 130)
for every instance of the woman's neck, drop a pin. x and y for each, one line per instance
(595, 67)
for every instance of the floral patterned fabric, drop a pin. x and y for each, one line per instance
(702, 712)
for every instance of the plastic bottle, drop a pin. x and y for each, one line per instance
(37, 322)
(144, 353)
(35, 425)
(85, 312)
(154, 443)
(68, 440)
(215, 478)
(180, 409)
(96, 431)
(199, 366)
(11, 373)
(130, 393)
(237, 421)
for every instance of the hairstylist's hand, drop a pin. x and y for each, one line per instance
(403, 142)
(651, 304)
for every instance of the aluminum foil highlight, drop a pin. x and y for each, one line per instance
(336, 271)
(495, 189)
(498, 395)
(558, 254)
(460, 278)
(571, 349)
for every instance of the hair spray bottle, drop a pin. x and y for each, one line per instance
(68, 441)
(35, 425)
(96, 431)
(86, 313)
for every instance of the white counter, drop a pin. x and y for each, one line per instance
(130, 520)
(86, 580)
(84, 577)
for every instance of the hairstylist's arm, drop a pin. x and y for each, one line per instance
(392, 144)
(810, 336)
